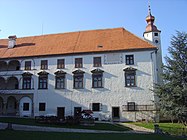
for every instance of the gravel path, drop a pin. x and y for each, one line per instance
(137, 128)
(54, 129)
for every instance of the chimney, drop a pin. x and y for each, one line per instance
(12, 41)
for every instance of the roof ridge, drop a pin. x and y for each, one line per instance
(117, 28)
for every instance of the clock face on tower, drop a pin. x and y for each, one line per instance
(156, 41)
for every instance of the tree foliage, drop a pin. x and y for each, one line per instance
(173, 91)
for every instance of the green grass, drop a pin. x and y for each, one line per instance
(172, 128)
(25, 135)
(97, 126)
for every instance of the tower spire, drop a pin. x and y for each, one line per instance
(149, 8)
(150, 21)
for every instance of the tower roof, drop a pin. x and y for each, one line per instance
(150, 22)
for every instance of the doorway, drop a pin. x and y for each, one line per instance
(11, 105)
(115, 113)
(60, 112)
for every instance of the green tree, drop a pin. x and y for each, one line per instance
(173, 91)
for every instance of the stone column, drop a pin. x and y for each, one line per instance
(17, 108)
(4, 108)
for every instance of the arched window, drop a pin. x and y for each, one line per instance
(2, 83)
(12, 83)
(14, 65)
(3, 66)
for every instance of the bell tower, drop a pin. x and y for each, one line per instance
(152, 35)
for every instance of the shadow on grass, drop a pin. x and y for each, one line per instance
(97, 126)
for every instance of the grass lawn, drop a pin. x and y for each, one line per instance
(24, 135)
(173, 128)
(97, 126)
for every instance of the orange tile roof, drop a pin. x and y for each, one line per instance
(74, 42)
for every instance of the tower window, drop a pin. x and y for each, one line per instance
(156, 34)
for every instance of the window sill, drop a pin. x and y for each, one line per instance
(98, 87)
(42, 88)
(60, 88)
(130, 86)
(78, 88)
(29, 89)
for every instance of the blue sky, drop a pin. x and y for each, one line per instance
(37, 17)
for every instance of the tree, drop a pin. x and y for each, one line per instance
(173, 92)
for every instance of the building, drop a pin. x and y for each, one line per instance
(109, 71)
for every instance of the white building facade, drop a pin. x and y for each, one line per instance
(111, 72)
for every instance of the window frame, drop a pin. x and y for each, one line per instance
(60, 63)
(129, 59)
(42, 106)
(43, 80)
(131, 106)
(79, 79)
(62, 83)
(26, 106)
(96, 108)
(44, 65)
(131, 79)
(95, 79)
(97, 62)
(27, 65)
(26, 84)
(78, 62)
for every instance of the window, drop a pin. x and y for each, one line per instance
(156, 34)
(41, 106)
(27, 65)
(95, 106)
(130, 74)
(97, 80)
(60, 79)
(44, 64)
(26, 82)
(43, 80)
(60, 82)
(130, 79)
(25, 106)
(60, 64)
(78, 79)
(78, 63)
(131, 106)
(97, 61)
(129, 59)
